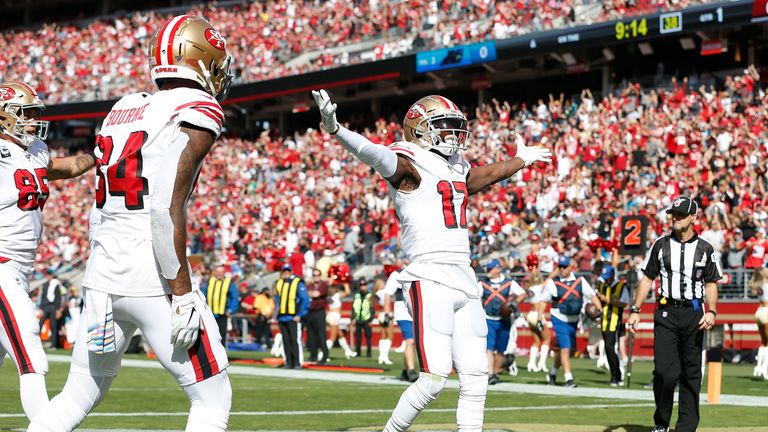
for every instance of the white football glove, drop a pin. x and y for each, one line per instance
(185, 319)
(327, 111)
(533, 154)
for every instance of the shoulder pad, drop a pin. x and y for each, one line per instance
(196, 108)
(404, 148)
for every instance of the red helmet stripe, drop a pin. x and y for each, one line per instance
(158, 58)
(175, 28)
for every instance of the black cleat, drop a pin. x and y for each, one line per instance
(413, 375)
(570, 383)
(493, 379)
(551, 379)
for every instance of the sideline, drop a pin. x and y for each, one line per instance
(538, 389)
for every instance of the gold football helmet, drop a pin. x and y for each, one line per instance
(19, 109)
(434, 122)
(188, 47)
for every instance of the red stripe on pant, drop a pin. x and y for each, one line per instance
(209, 351)
(418, 325)
(201, 355)
(14, 335)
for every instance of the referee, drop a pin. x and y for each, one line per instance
(687, 269)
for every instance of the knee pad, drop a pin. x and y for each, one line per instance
(211, 401)
(430, 386)
(473, 386)
(66, 411)
(207, 419)
(214, 392)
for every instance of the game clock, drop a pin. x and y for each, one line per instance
(632, 29)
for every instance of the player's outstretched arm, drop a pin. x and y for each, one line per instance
(168, 217)
(69, 167)
(483, 176)
(383, 160)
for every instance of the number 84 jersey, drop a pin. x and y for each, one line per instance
(139, 140)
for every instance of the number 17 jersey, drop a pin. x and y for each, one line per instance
(435, 235)
(135, 145)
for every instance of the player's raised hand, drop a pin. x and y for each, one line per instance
(533, 154)
(185, 319)
(327, 110)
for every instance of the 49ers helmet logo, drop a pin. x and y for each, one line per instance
(214, 38)
(7, 93)
(416, 111)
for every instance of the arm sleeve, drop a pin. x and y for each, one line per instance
(516, 289)
(303, 300)
(624, 298)
(392, 284)
(651, 265)
(587, 289)
(712, 272)
(233, 300)
(378, 157)
(549, 291)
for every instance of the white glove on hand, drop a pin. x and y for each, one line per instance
(327, 111)
(185, 319)
(531, 155)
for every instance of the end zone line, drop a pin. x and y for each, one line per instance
(361, 411)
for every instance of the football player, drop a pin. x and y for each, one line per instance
(429, 182)
(25, 169)
(150, 150)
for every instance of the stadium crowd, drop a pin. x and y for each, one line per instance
(301, 198)
(99, 59)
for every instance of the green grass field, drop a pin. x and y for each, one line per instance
(314, 405)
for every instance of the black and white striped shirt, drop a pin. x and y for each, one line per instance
(682, 268)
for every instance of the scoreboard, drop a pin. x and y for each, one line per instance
(637, 28)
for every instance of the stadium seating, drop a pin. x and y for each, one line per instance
(629, 153)
(103, 59)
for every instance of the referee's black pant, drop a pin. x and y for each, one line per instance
(316, 334)
(611, 352)
(677, 348)
(291, 331)
(360, 328)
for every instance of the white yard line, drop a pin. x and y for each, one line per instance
(350, 412)
(539, 389)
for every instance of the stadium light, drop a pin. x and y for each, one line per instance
(687, 43)
(645, 48)
(608, 54)
(569, 59)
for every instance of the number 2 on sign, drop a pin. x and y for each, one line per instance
(633, 226)
(446, 190)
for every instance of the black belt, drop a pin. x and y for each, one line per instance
(675, 303)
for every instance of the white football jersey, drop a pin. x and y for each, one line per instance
(132, 148)
(23, 193)
(399, 308)
(433, 219)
